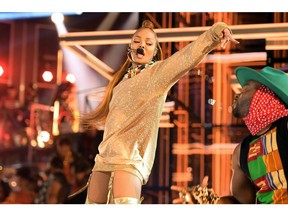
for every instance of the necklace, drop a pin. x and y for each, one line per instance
(131, 72)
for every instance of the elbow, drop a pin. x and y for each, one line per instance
(244, 197)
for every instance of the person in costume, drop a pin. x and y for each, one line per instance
(259, 162)
(131, 110)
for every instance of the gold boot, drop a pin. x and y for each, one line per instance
(127, 200)
(88, 201)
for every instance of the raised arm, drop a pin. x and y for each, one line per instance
(173, 68)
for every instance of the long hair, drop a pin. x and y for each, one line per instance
(98, 116)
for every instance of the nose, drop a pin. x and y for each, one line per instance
(142, 45)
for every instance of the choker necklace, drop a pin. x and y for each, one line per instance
(131, 72)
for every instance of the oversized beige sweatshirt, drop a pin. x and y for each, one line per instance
(131, 129)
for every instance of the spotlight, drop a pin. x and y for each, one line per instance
(211, 101)
(57, 18)
(45, 136)
(71, 78)
(47, 76)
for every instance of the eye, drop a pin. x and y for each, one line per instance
(149, 44)
(136, 41)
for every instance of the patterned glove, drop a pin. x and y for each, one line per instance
(199, 195)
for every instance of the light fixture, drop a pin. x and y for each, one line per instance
(57, 18)
(47, 76)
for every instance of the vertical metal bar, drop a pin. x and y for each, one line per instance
(56, 109)
(23, 66)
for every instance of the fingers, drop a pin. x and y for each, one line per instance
(232, 40)
(184, 196)
(178, 201)
(173, 187)
(205, 182)
(227, 37)
(178, 188)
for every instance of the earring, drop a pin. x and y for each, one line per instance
(155, 52)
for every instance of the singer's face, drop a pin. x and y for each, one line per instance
(146, 39)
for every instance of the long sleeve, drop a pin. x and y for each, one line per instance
(170, 70)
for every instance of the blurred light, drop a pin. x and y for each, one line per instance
(211, 79)
(211, 101)
(47, 76)
(33, 143)
(40, 142)
(55, 129)
(57, 18)
(41, 145)
(1, 70)
(50, 142)
(27, 15)
(45, 136)
(71, 78)
(1, 168)
(13, 183)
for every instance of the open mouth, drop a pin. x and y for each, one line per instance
(140, 51)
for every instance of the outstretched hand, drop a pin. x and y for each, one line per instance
(184, 195)
(227, 37)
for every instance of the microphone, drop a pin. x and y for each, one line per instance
(140, 51)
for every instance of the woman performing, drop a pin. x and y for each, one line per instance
(131, 111)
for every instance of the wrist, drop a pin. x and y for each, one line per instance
(217, 31)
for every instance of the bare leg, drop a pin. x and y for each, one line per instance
(98, 187)
(126, 184)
